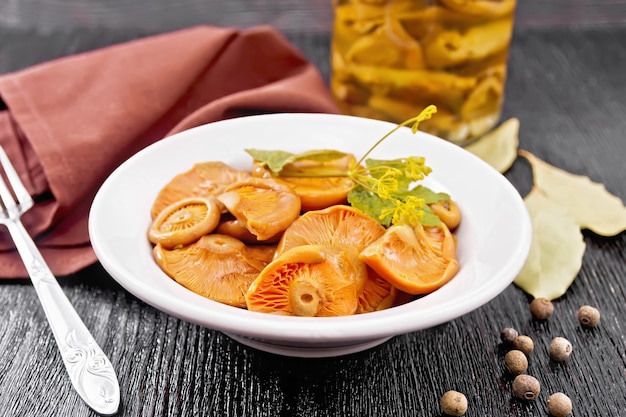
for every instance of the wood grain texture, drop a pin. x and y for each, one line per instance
(294, 16)
(568, 88)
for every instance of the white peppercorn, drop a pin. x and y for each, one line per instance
(588, 316)
(541, 308)
(524, 343)
(453, 403)
(516, 362)
(526, 387)
(560, 349)
(559, 405)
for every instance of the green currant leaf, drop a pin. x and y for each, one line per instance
(370, 203)
(427, 194)
(378, 167)
(277, 160)
(409, 169)
(429, 218)
(274, 160)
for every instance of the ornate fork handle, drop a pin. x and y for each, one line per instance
(90, 371)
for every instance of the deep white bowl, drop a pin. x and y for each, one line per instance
(493, 239)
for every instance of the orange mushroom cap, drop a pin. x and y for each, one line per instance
(346, 228)
(319, 192)
(203, 179)
(309, 280)
(263, 205)
(184, 222)
(340, 226)
(216, 266)
(416, 260)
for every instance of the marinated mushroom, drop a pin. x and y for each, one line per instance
(417, 260)
(309, 280)
(340, 226)
(448, 212)
(184, 222)
(216, 266)
(232, 227)
(262, 204)
(203, 179)
(454, 47)
(330, 187)
(484, 99)
(348, 229)
(390, 46)
(376, 293)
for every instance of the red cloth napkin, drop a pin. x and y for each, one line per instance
(72, 121)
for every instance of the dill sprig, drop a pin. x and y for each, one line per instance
(385, 178)
(382, 187)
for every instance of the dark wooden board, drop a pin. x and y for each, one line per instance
(287, 15)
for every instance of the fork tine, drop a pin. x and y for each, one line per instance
(7, 200)
(23, 196)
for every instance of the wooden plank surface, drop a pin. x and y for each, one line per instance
(568, 88)
(287, 15)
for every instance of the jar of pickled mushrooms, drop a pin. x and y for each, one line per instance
(393, 58)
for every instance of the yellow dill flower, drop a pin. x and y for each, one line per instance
(415, 169)
(425, 114)
(387, 184)
(368, 182)
(405, 212)
(414, 203)
(411, 211)
(388, 211)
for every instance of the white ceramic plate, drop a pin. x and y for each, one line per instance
(494, 236)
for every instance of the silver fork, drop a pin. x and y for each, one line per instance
(90, 370)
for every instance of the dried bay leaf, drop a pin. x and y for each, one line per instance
(588, 202)
(498, 147)
(556, 251)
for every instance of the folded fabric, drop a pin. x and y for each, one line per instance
(69, 123)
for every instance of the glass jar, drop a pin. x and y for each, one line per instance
(393, 58)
